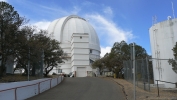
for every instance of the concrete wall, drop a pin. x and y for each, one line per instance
(80, 62)
(163, 37)
(26, 89)
(80, 38)
(78, 52)
(83, 57)
(80, 45)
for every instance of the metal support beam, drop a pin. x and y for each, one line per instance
(134, 71)
(42, 63)
(29, 64)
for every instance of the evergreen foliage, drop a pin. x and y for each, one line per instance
(173, 62)
(121, 51)
(26, 43)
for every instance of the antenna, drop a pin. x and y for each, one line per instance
(154, 19)
(173, 10)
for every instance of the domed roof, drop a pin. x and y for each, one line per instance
(63, 28)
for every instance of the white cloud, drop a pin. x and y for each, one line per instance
(87, 3)
(105, 50)
(109, 30)
(108, 10)
(42, 24)
(75, 10)
(63, 12)
(49, 11)
(53, 10)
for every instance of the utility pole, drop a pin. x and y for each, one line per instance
(28, 38)
(147, 61)
(134, 92)
(28, 64)
(42, 63)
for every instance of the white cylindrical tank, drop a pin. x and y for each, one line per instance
(163, 37)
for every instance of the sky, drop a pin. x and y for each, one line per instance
(113, 20)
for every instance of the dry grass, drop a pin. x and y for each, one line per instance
(145, 95)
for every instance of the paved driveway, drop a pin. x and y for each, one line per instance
(88, 88)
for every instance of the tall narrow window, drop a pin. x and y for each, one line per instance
(90, 51)
(59, 70)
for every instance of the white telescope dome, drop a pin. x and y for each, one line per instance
(79, 41)
(63, 28)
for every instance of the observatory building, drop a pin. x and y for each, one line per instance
(163, 37)
(79, 41)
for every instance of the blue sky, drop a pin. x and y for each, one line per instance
(113, 20)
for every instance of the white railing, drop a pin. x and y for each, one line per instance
(27, 89)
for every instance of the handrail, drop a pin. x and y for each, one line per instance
(18, 87)
(165, 82)
(23, 86)
(38, 83)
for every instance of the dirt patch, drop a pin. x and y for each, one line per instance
(145, 95)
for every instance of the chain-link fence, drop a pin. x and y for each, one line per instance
(143, 73)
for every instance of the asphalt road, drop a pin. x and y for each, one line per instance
(88, 88)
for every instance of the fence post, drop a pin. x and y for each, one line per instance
(50, 83)
(39, 87)
(61, 77)
(147, 64)
(136, 70)
(133, 58)
(143, 72)
(158, 88)
(15, 93)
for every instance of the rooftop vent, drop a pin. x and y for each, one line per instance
(169, 17)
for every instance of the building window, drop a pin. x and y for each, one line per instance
(90, 51)
(91, 61)
(59, 70)
(80, 37)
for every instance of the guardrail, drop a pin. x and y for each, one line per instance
(165, 82)
(31, 88)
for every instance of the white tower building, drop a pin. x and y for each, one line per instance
(80, 41)
(163, 37)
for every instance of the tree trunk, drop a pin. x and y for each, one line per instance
(1, 72)
(33, 71)
(2, 68)
(26, 71)
(45, 74)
